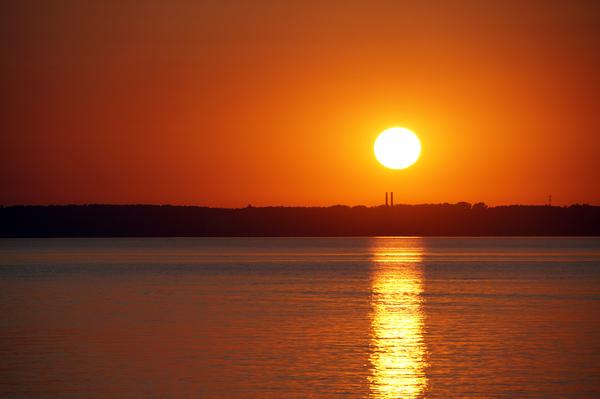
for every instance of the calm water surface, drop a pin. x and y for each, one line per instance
(300, 317)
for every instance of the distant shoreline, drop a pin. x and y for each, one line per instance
(453, 220)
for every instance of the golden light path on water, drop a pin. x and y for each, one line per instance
(398, 352)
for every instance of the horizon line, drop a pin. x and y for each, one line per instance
(300, 206)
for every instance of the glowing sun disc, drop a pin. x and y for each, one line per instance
(397, 148)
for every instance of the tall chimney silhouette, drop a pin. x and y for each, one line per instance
(386, 203)
(392, 199)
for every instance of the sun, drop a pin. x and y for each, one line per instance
(397, 148)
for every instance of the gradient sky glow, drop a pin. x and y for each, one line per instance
(230, 103)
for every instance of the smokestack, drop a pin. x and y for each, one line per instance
(392, 198)
(386, 203)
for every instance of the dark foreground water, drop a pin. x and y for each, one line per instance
(300, 318)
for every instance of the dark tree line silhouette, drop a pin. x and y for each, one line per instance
(459, 219)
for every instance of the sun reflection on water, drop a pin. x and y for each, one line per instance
(398, 352)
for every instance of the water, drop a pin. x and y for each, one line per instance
(300, 317)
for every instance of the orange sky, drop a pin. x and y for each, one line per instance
(230, 103)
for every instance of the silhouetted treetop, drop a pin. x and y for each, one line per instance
(461, 219)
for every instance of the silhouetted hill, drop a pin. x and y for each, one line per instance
(459, 219)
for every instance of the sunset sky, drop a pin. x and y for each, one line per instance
(230, 103)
